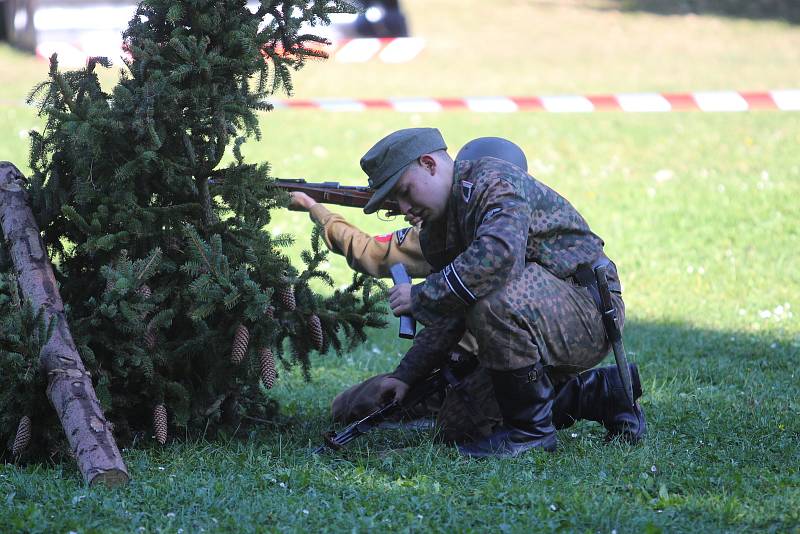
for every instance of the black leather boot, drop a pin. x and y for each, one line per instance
(525, 397)
(598, 395)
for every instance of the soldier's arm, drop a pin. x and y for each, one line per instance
(368, 254)
(430, 350)
(501, 216)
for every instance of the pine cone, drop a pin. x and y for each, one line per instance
(144, 291)
(268, 373)
(160, 423)
(240, 340)
(23, 437)
(315, 328)
(109, 286)
(269, 312)
(286, 297)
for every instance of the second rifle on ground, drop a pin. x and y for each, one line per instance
(450, 375)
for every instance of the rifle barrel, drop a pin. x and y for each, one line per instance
(334, 193)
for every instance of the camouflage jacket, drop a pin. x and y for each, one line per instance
(498, 219)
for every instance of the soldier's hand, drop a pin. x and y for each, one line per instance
(392, 389)
(400, 299)
(413, 220)
(300, 201)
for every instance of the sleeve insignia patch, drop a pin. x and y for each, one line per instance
(401, 235)
(491, 213)
(385, 238)
(466, 190)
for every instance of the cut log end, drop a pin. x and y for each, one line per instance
(112, 478)
(11, 179)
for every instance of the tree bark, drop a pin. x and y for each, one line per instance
(69, 387)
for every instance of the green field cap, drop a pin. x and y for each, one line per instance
(385, 162)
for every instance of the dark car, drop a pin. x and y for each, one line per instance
(381, 18)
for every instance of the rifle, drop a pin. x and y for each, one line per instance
(459, 366)
(334, 193)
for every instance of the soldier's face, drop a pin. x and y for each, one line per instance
(424, 189)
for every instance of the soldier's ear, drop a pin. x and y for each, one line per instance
(428, 163)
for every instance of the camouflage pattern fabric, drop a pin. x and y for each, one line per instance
(464, 415)
(538, 316)
(506, 253)
(471, 412)
(374, 255)
(362, 399)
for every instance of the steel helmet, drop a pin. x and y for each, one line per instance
(497, 147)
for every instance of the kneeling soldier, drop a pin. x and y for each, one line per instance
(470, 412)
(507, 249)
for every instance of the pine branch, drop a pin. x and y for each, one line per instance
(147, 270)
(200, 248)
(130, 171)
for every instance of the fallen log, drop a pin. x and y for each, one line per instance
(69, 386)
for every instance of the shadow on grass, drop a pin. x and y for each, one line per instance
(786, 10)
(727, 385)
(713, 356)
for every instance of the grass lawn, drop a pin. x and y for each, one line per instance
(698, 210)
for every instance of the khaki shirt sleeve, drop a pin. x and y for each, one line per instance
(367, 254)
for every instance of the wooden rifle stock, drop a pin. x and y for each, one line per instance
(335, 193)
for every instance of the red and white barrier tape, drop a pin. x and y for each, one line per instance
(387, 50)
(784, 99)
(397, 50)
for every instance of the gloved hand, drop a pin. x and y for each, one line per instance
(392, 389)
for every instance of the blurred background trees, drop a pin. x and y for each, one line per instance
(788, 10)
